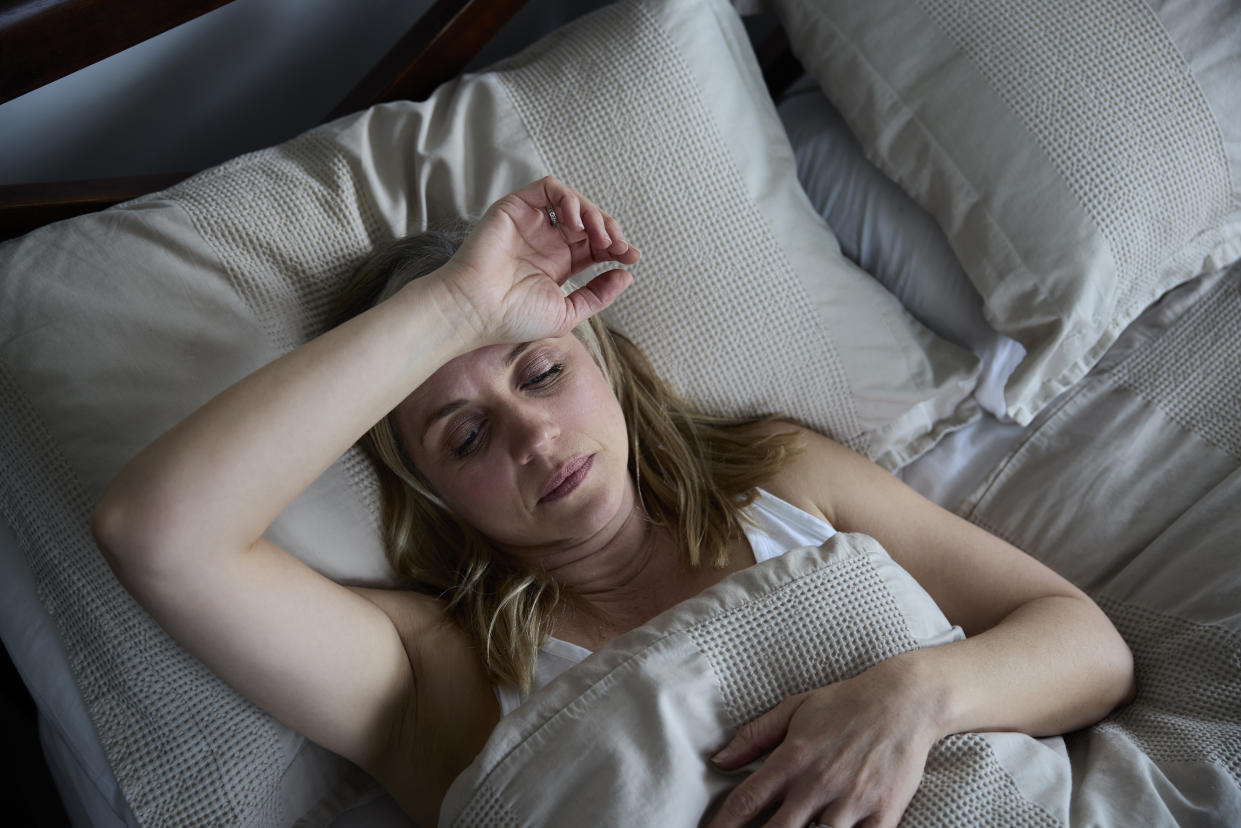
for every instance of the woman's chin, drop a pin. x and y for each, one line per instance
(589, 513)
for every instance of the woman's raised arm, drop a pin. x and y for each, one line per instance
(182, 523)
(221, 476)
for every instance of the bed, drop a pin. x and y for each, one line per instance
(993, 246)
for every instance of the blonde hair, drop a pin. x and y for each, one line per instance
(694, 474)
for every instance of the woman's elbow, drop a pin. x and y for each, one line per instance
(1124, 671)
(110, 526)
(1114, 665)
(125, 534)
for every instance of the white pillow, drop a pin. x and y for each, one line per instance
(116, 325)
(1081, 162)
(889, 236)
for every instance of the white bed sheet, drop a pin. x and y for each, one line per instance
(959, 463)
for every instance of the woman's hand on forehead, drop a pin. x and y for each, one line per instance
(505, 281)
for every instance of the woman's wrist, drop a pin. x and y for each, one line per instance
(438, 321)
(915, 676)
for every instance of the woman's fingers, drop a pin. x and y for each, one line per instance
(570, 212)
(619, 244)
(753, 739)
(847, 754)
(597, 294)
(758, 736)
(749, 799)
(596, 229)
(803, 795)
(574, 212)
(803, 802)
(508, 275)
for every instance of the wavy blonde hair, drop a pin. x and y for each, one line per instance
(694, 474)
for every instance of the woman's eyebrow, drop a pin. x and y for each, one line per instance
(446, 409)
(516, 352)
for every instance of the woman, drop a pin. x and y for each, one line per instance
(497, 411)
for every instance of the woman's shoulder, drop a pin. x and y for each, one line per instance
(808, 478)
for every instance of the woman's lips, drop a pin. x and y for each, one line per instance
(567, 478)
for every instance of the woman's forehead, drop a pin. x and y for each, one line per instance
(457, 377)
(461, 377)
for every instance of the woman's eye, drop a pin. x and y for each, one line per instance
(466, 440)
(545, 377)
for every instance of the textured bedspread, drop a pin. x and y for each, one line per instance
(1129, 485)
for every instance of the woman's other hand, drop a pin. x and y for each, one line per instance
(851, 753)
(505, 279)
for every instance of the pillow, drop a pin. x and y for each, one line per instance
(889, 236)
(1080, 164)
(698, 169)
(116, 325)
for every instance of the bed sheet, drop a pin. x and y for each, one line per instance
(1129, 486)
(960, 462)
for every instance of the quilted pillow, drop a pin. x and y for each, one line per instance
(1080, 159)
(114, 326)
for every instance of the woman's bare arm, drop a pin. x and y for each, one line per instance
(182, 527)
(1041, 658)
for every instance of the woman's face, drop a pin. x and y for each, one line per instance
(526, 443)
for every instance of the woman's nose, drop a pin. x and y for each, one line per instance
(534, 433)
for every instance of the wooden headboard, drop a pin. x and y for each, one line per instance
(43, 40)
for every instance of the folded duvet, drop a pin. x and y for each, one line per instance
(624, 738)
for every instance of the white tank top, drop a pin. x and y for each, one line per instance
(778, 527)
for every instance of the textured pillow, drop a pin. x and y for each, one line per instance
(743, 299)
(889, 236)
(116, 325)
(1080, 162)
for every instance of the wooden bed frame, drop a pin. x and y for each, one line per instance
(43, 40)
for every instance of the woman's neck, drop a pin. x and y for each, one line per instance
(617, 583)
(620, 578)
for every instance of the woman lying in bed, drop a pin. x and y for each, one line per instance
(551, 486)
